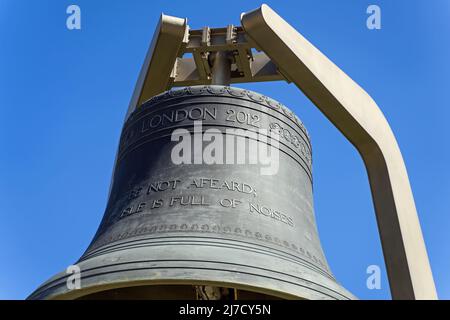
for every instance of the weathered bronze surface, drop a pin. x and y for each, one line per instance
(223, 225)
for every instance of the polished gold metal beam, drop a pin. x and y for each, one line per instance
(155, 75)
(361, 121)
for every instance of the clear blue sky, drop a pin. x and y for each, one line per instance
(63, 96)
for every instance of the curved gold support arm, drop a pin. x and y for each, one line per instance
(360, 120)
(154, 76)
(155, 73)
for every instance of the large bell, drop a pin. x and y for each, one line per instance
(240, 229)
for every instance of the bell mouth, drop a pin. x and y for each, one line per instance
(131, 272)
(179, 292)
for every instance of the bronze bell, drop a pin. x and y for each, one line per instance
(197, 228)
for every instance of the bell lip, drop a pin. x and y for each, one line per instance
(79, 293)
(82, 292)
(123, 269)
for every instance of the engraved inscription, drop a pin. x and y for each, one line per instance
(151, 189)
(230, 203)
(140, 207)
(218, 184)
(243, 118)
(155, 121)
(291, 138)
(167, 119)
(162, 186)
(178, 115)
(192, 200)
(268, 212)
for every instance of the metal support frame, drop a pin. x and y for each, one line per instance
(287, 55)
(221, 68)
